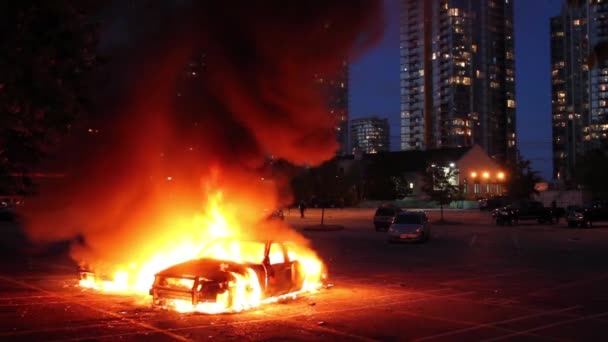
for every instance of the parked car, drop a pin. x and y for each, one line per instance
(493, 202)
(410, 226)
(578, 217)
(586, 215)
(384, 216)
(526, 210)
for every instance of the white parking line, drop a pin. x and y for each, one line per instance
(473, 239)
(523, 332)
(515, 239)
(95, 308)
(456, 321)
(493, 324)
(566, 285)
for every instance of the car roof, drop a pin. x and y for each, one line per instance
(413, 213)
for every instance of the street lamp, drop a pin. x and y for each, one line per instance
(501, 175)
(473, 174)
(486, 175)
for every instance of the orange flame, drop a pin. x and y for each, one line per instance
(218, 221)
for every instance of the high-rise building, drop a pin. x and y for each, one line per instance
(369, 135)
(335, 89)
(579, 80)
(458, 75)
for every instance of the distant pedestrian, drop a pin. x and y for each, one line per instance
(302, 207)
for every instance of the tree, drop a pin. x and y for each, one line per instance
(47, 49)
(382, 179)
(591, 171)
(522, 179)
(438, 184)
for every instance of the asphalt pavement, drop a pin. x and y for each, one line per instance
(474, 281)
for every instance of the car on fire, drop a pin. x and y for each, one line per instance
(269, 268)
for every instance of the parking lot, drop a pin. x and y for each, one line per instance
(473, 281)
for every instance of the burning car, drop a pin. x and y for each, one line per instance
(233, 275)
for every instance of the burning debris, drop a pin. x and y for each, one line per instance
(198, 101)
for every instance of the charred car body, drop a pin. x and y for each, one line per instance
(209, 280)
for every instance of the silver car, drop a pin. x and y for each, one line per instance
(410, 226)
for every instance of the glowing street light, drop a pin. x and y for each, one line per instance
(486, 175)
(501, 175)
(473, 174)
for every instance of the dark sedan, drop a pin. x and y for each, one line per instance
(384, 217)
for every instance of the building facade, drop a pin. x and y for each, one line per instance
(579, 78)
(335, 90)
(458, 75)
(369, 135)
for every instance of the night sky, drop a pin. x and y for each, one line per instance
(374, 79)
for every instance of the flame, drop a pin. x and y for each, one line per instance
(199, 239)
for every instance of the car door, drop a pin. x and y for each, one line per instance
(278, 269)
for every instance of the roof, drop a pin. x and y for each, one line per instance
(415, 161)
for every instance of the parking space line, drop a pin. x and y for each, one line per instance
(322, 328)
(493, 324)
(50, 330)
(495, 275)
(515, 239)
(472, 324)
(369, 306)
(508, 306)
(541, 327)
(69, 299)
(94, 308)
(473, 239)
(566, 285)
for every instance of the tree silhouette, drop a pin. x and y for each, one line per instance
(522, 179)
(438, 185)
(47, 49)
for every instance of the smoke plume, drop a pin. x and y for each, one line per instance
(195, 99)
